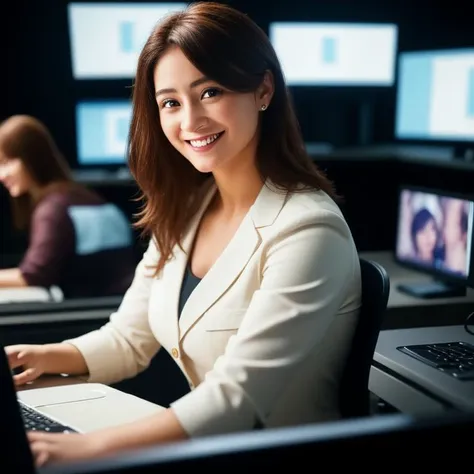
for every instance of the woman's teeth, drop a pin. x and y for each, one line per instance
(207, 141)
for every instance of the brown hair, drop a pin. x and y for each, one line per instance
(26, 138)
(229, 48)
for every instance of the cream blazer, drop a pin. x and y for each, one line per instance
(263, 337)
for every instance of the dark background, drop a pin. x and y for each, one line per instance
(36, 79)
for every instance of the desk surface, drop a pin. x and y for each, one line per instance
(417, 375)
(405, 311)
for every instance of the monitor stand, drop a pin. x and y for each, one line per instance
(464, 153)
(366, 124)
(432, 289)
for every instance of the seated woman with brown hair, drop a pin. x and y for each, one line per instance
(77, 241)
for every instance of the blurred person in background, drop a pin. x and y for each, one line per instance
(77, 241)
(455, 235)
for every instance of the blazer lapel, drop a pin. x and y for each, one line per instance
(233, 259)
(174, 269)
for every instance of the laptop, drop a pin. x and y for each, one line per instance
(81, 407)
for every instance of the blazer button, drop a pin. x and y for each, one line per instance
(174, 352)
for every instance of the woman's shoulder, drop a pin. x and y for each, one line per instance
(59, 199)
(70, 194)
(312, 206)
(56, 200)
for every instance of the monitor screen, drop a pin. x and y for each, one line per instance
(102, 132)
(336, 54)
(106, 38)
(435, 95)
(435, 232)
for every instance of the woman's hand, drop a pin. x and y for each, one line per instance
(49, 448)
(32, 359)
(36, 360)
(149, 431)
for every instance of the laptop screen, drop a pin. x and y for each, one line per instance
(435, 232)
(15, 453)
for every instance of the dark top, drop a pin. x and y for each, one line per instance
(190, 281)
(79, 243)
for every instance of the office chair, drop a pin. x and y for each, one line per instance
(354, 396)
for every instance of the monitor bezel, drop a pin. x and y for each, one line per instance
(274, 446)
(467, 281)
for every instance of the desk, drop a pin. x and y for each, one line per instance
(41, 328)
(412, 386)
(405, 311)
(405, 383)
(68, 306)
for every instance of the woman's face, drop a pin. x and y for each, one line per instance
(14, 176)
(426, 240)
(452, 225)
(212, 127)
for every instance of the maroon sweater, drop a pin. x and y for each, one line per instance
(81, 244)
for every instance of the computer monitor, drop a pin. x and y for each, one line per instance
(435, 236)
(106, 38)
(102, 128)
(435, 96)
(336, 54)
(401, 438)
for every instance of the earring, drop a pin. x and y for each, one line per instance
(263, 107)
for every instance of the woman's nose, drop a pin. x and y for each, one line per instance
(193, 118)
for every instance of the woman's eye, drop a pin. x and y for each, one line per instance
(212, 92)
(167, 103)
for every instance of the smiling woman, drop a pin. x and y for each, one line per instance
(212, 72)
(251, 280)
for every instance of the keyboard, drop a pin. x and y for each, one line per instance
(33, 420)
(453, 358)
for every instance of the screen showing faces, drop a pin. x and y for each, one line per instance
(106, 38)
(435, 232)
(102, 129)
(331, 54)
(435, 98)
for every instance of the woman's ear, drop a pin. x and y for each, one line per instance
(265, 91)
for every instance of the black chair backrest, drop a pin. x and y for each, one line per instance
(354, 398)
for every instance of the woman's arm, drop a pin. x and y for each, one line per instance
(12, 278)
(159, 428)
(64, 358)
(53, 447)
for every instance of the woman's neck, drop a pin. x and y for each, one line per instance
(236, 195)
(237, 187)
